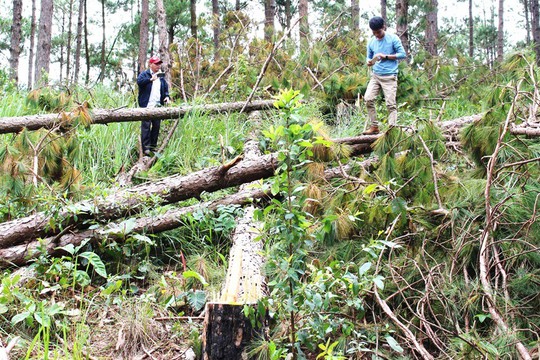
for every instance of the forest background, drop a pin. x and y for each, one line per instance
(425, 248)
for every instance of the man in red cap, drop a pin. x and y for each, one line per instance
(153, 92)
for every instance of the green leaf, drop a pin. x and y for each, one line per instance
(195, 275)
(3, 309)
(379, 282)
(197, 299)
(394, 344)
(20, 317)
(95, 261)
(369, 189)
(364, 268)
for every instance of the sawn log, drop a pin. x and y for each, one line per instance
(104, 116)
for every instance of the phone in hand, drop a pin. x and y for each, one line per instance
(160, 74)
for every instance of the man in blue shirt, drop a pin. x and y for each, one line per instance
(153, 92)
(383, 52)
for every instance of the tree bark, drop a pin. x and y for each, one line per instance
(402, 23)
(127, 202)
(303, 11)
(103, 43)
(43, 57)
(535, 26)
(163, 39)
(21, 254)
(15, 46)
(500, 33)
(216, 26)
(193, 15)
(143, 36)
(227, 332)
(432, 28)
(78, 42)
(32, 44)
(102, 116)
(383, 9)
(68, 45)
(527, 20)
(355, 15)
(471, 31)
(269, 12)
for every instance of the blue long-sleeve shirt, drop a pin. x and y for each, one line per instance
(390, 44)
(145, 88)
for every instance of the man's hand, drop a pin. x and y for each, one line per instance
(167, 100)
(154, 77)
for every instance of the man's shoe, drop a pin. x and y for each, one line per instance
(372, 130)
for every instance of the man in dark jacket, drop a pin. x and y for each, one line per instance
(153, 92)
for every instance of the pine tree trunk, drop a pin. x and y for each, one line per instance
(471, 31)
(143, 36)
(163, 39)
(288, 15)
(303, 11)
(227, 332)
(383, 9)
(103, 116)
(193, 16)
(103, 43)
(15, 46)
(535, 26)
(269, 12)
(402, 23)
(79, 42)
(61, 60)
(500, 33)
(355, 14)
(86, 48)
(527, 20)
(68, 45)
(432, 28)
(216, 26)
(43, 53)
(32, 44)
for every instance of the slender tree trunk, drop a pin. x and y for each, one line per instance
(103, 43)
(237, 5)
(383, 9)
(355, 14)
(79, 42)
(535, 26)
(216, 27)
(163, 38)
(303, 12)
(193, 14)
(143, 36)
(431, 28)
(43, 52)
(500, 33)
(402, 23)
(269, 12)
(32, 44)
(526, 14)
(288, 15)
(15, 47)
(471, 31)
(61, 60)
(68, 45)
(86, 47)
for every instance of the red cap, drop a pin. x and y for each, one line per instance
(155, 60)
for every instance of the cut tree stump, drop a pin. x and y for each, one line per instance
(228, 332)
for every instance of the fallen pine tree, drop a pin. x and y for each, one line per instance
(172, 189)
(104, 116)
(22, 253)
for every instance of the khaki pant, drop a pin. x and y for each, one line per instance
(388, 84)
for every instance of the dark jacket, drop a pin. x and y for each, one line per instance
(145, 87)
